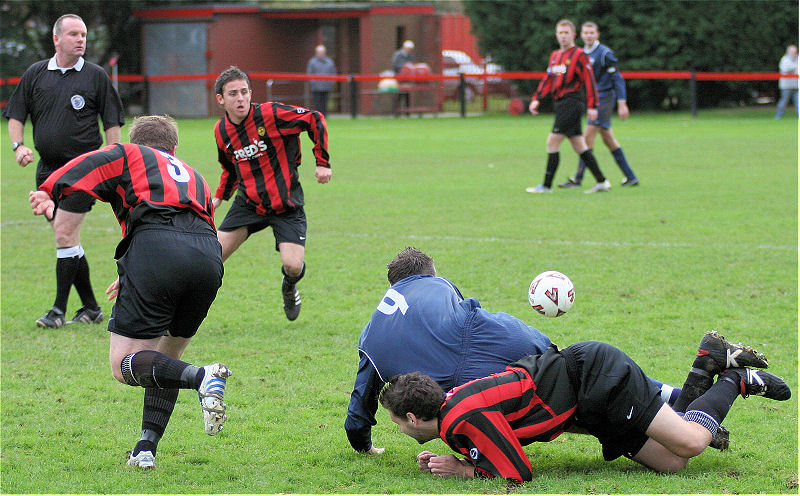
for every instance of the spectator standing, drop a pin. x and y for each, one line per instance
(610, 89)
(64, 96)
(320, 63)
(400, 58)
(788, 86)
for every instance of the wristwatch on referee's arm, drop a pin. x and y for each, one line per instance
(16, 145)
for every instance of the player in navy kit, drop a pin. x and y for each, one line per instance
(259, 151)
(169, 264)
(423, 324)
(569, 76)
(610, 89)
(589, 387)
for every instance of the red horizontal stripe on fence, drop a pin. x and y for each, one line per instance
(299, 76)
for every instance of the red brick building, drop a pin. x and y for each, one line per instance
(361, 39)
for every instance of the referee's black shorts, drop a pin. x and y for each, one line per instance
(287, 227)
(569, 111)
(168, 279)
(616, 400)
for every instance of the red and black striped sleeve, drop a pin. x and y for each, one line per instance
(295, 120)
(229, 179)
(475, 424)
(95, 173)
(546, 84)
(587, 77)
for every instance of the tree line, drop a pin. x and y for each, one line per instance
(701, 35)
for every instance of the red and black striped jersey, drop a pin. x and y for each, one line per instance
(568, 71)
(490, 419)
(138, 181)
(261, 154)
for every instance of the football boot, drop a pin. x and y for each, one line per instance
(291, 299)
(53, 319)
(727, 355)
(211, 393)
(758, 383)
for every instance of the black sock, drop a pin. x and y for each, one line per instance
(66, 267)
(552, 167)
(83, 284)
(158, 406)
(700, 379)
(591, 164)
(697, 383)
(581, 169)
(151, 369)
(710, 409)
(293, 279)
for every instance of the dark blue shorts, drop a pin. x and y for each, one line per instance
(605, 109)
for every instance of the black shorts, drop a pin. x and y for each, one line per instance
(569, 111)
(287, 227)
(78, 202)
(616, 400)
(168, 279)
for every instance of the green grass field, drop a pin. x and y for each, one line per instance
(708, 241)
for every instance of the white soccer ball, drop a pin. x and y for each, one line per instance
(551, 293)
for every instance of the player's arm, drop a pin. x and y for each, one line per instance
(586, 74)
(297, 119)
(493, 448)
(610, 66)
(16, 133)
(229, 179)
(544, 88)
(362, 408)
(113, 135)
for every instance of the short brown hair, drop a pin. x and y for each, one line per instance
(410, 262)
(60, 21)
(566, 22)
(590, 24)
(415, 393)
(155, 131)
(232, 73)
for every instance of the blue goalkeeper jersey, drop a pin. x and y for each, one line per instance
(423, 324)
(606, 73)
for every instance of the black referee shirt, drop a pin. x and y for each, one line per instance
(64, 109)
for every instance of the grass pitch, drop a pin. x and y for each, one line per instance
(709, 240)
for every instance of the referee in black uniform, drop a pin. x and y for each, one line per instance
(64, 96)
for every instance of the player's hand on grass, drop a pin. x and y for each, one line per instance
(591, 114)
(423, 458)
(113, 290)
(323, 174)
(534, 107)
(24, 155)
(449, 466)
(375, 451)
(622, 109)
(41, 203)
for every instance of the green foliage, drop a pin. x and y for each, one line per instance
(709, 35)
(709, 240)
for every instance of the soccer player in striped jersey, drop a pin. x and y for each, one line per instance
(589, 387)
(610, 89)
(169, 264)
(569, 77)
(259, 150)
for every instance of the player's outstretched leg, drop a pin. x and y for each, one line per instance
(714, 355)
(757, 383)
(211, 393)
(291, 296)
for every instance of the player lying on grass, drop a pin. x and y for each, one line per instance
(423, 324)
(169, 263)
(589, 387)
